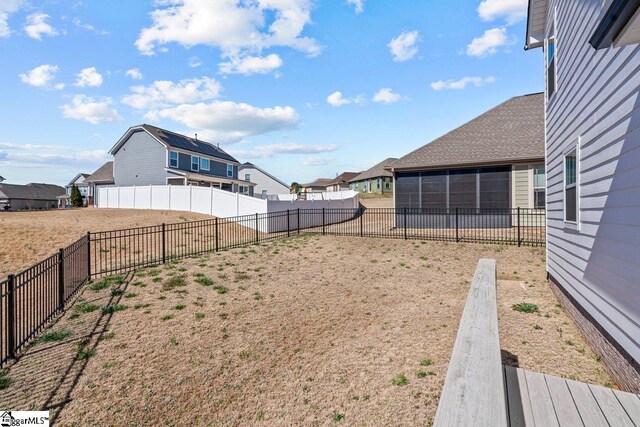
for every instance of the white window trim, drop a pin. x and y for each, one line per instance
(553, 26)
(177, 159)
(208, 168)
(229, 169)
(197, 169)
(247, 177)
(574, 148)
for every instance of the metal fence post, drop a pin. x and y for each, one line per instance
(298, 221)
(288, 223)
(519, 226)
(257, 238)
(60, 279)
(457, 228)
(11, 317)
(323, 221)
(164, 243)
(405, 223)
(216, 233)
(361, 221)
(88, 255)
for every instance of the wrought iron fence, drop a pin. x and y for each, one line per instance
(31, 299)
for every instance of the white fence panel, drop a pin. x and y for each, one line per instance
(160, 197)
(201, 200)
(113, 196)
(142, 197)
(179, 198)
(225, 204)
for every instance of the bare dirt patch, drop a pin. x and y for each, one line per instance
(312, 330)
(29, 237)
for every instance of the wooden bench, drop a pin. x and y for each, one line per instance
(479, 391)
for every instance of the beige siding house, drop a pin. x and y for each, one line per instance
(592, 102)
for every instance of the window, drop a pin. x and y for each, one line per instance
(247, 177)
(230, 170)
(244, 189)
(551, 63)
(204, 164)
(173, 159)
(195, 163)
(379, 183)
(387, 183)
(570, 188)
(539, 190)
(264, 192)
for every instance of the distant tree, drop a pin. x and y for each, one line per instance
(295, 187)
(75, 197)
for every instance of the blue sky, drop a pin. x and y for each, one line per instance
(303, 88)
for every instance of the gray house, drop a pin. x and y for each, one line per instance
(148, 155)
(376, 179)
(265, 183)
(495, 161)
(83, 187)
(592, 98)
(102, 177)
(29, 197)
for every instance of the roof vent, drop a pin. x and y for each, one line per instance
(196, 136)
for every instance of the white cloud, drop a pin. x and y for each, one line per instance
(251, 65)
(89, 110)
(78, 23)
(36, 26)
(89, 77)
(228, 121)
(271, 150)
(164, 93)
(489, 42)
(387, 96)
(337, 99)
(512, 10)
(135, 74)
(357, 4)
(462, 83)
(59, 86)
(233, 26)
(403, 47)
(40, 76)
(8, 7)
(317, 161)
(195, 62)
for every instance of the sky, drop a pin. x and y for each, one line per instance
(302, 88)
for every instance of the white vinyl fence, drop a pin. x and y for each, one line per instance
(224, 204)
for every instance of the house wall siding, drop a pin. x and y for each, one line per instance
(596, 109)
(216, 168)
(140, 161)
(262, 181)
(522, 187)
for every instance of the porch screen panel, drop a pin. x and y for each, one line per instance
(463, 189)
(434, 190)
(408, 190)
(495, 187)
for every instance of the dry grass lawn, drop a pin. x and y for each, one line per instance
(29, 237)
(310, 330)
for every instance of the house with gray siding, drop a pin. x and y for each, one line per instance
(495, 161)
(376, 179)
(102, 177)
(265, 183)
(592, 110)
(148, 155)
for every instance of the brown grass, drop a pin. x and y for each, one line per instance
(29, 237)
(310, 330)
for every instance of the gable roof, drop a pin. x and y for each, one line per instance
(376, 171)
(320, 182)
(176, 140)
(343, 178)
(103, 175)
(511, 132)
(33, 191)
(77, 177)
(251, 165)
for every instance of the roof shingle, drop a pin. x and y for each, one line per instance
(376, 171)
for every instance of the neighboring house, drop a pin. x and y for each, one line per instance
(592, 96)
(341, 182)
(265, 183)
(494, 161)
(376, 179)
(29, 197)
(83, 187)
(102, 177)
(147, 155)
(317, 186)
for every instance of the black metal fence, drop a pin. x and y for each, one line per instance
(31, 299)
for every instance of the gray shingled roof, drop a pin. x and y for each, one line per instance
(343, 178)
(512, 131)
(320, 182)
(376, 171)
(31, 191)
(103, 175)
(249, 164)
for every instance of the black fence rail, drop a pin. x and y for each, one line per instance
(31, 299)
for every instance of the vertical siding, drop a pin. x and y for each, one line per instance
(521, 186)
(596, 107)
(140, 161)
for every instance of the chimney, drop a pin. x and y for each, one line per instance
(196, 136)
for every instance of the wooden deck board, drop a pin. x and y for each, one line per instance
(544, 413)
(610, 406)
(517, 397)
(631, 403)
(586, 404)
(563, 403)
